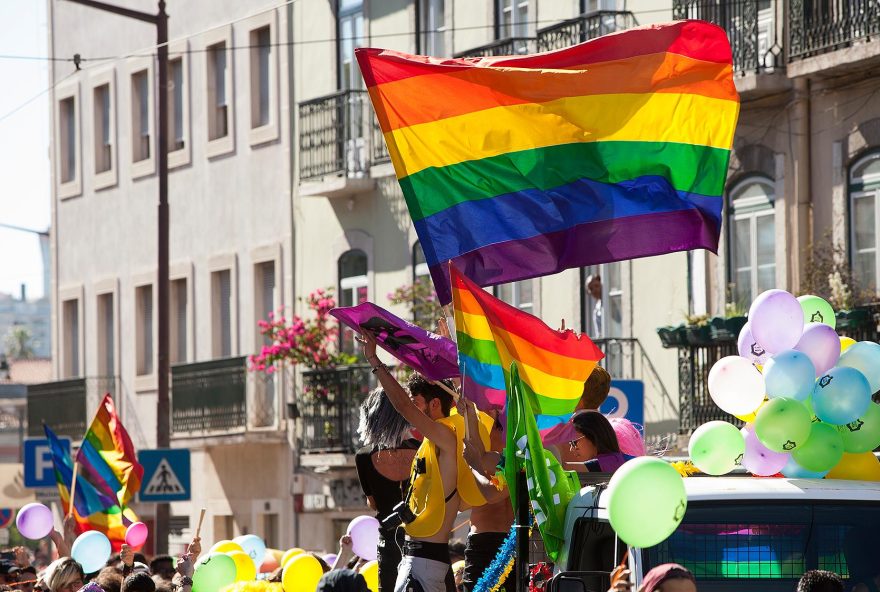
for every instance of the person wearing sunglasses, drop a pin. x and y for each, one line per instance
(594, 447)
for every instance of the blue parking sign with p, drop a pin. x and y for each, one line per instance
(626, 399)
(38, 468)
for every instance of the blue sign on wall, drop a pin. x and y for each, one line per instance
(626, 399)
(166, 475)
(38, 468)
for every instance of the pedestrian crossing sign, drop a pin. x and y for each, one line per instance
(166, 475)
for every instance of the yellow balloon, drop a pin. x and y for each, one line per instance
(245, 570)
(278, 554)
(290, 554)
(845, 343)
(370, 571)
(856, 467)
(301, 574)
(225, 547)
(751, 416)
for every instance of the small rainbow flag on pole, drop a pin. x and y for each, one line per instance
(107, 457)
(491, 334)
(518, 167)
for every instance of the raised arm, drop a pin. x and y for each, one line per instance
(437, 433)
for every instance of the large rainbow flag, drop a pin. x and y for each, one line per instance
(107, 457)
(517, 167)
(491, 334)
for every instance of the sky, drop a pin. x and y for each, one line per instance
(24, 144)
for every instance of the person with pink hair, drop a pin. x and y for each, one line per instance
(629, 438)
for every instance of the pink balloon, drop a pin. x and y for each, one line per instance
(758, 459)
(136, 535)
(822, 345)
(364, 533)
(776, 320)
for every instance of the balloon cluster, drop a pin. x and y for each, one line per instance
(804, 393)
(229, 561)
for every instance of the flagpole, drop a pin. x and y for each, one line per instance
(73, 489)
(522, 532)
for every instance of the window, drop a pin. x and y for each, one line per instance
(218, 106)
(263, 412)
(350, 36)
(106, 336)
(519, 294)
(176, 133)
(864, 196)
(752, 239)
(261, 54)
(270, 530)
(179, 302)
(70, 339)
(432, 28)
(144, 329)
(603, 300)
(421, 273)
(67, 138)
(352, 290)
(140, 116)
(221, 288)
(102, 138)
(513, 17)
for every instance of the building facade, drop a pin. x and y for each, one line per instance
(281, 184)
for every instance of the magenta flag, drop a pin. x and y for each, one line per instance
(433, 356)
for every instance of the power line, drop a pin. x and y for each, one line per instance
(35, 97)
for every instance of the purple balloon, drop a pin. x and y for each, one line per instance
(758, 459)
(749, 348)
(34, 521)
(776, 320)
(330, 559)
(364, 533)
(822, 345)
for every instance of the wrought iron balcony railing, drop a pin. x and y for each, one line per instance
(750, 25)
(820, 26)
(221, 396)
(334, 132)
(584, 27)
(329, 408)
(66, 406)
(502, 47)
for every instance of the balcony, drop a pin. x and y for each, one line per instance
(751, 26)
(329, 408)
(503, 47)
(221, 397)
(339, 139)
(821, 26)
(583, 28)
(66, 406)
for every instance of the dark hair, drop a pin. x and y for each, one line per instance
(597, 429)
(110, 579)
(154, 564)
(163, 585)
(596, 388)
(138, 582)
(819, 580)
(417, 385)
(323, 563)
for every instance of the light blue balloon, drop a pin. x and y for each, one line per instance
(864, 356)
(789, 375)
(253, 546)
(841, 396)
(792, 470)
(91, 550)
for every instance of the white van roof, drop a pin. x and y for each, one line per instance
(756, 488)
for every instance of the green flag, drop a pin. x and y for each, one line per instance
(550, 487)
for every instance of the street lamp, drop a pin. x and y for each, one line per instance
(163, 417)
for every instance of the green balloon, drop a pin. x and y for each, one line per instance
(862, 435)
(782, 424)
(822, 450)
(213, 572)
(817, 310)
(646, 501)
(808, 403)
(716, 447)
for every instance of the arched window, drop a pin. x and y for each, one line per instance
(752, 239)
(864, 196)
(352, 291)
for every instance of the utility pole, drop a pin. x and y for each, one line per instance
(163, 415)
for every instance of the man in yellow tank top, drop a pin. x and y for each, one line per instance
(425, 566)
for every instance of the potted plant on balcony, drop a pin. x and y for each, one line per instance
(673, 336)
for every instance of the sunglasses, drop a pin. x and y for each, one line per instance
(572, 444)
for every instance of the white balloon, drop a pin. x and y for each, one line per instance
(736, 385)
